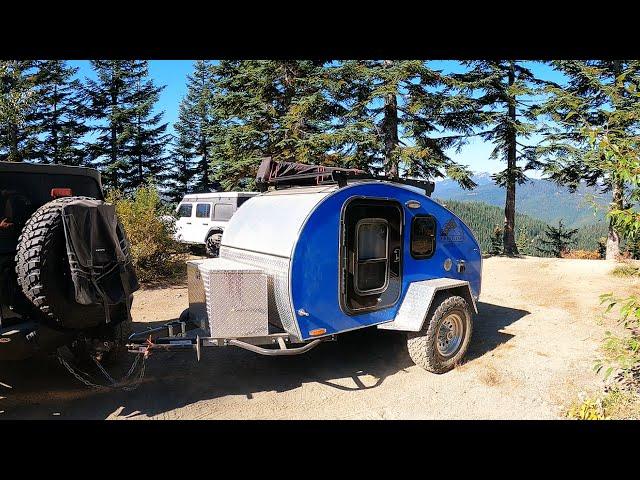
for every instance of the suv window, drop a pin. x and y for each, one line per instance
(203, 210)
(223, 211)
(185, 210)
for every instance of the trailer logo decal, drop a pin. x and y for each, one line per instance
(452, 232)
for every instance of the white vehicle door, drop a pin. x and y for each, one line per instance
(184, 224)
(201, 222)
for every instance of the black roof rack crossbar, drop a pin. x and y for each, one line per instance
(425, 185)
(290, 174)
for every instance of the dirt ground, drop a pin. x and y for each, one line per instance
(535, 341)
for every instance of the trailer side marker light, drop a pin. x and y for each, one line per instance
(318, 331)
(61, 192)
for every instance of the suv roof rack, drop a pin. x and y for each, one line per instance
(272, 173)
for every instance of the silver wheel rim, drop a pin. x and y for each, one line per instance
(449, 336)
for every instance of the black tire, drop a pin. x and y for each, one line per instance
(424, 348)
(43, 272)
(211, 247)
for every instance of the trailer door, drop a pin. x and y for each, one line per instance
(371, 255)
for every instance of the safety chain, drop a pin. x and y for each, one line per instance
(122, 384)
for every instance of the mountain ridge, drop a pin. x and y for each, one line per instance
(538, 198)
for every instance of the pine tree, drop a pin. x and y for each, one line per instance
(145, 149)
(18, 98)
(59, 114)
(600, 96)
(180, 171)
(496, 242)
(191, 157)
(523, 243)
(509, 120)
(403, 117)
(111, 102)
(279, 108)
(557, 240)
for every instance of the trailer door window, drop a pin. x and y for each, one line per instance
(372, 265)
(423, 236)
(185, 210)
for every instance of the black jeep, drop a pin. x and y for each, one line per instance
(65, 272)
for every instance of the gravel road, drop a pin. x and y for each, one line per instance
(535, 340)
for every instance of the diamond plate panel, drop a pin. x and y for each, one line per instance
(277, 270)
(236, 298)
(416, 303)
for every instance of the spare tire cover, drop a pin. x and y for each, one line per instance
(44, 275)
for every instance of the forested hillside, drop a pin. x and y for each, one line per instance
(537, 198)
(483, 219)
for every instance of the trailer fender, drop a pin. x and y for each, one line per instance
(418, 299)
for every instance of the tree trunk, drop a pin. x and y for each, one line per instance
(613, 238)
(390, 130)
(509, 246)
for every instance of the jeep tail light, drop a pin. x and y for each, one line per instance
(61, 192)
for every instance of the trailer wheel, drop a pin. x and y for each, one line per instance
(444, 338)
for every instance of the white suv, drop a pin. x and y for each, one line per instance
(203, 216)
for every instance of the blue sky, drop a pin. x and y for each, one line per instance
(173, 74)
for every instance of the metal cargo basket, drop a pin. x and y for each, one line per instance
(228, 296)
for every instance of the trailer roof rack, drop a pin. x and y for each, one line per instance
(278, 174)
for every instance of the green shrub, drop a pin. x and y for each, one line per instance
(626, 270)
(156, 255)
(587, 409)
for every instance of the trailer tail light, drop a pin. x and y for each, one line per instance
(61, 192)
(318, 331)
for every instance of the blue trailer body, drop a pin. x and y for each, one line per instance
(315, 267)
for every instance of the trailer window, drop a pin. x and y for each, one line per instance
(223, 211)
(372, 256)
(203, 210)
(423, 236)
(185, 210)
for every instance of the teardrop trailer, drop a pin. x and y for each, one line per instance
(323, 251)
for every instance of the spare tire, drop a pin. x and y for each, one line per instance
(44, 275)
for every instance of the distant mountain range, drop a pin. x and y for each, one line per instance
(537, 198)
